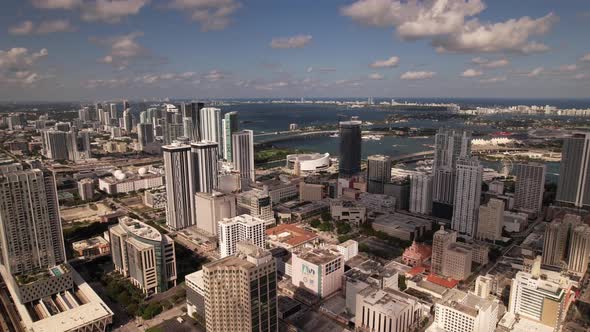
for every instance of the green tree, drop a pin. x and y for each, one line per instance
(326, 216)
(402, 282)
(315, 223)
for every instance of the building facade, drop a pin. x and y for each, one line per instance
(350, 148)
(529, 186)
(243, 154)
(243, 228)
(467, 196)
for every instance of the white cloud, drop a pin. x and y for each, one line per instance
(210, 14)
(214, 75)
(417, 75)
(17, 66)
(581, 76)
(110, 11)
(451, 24)
(376, 76)
(471, 73)
(24, 28)
(487, 63)
(494, 79)
(585, 57)
(111, 84)
(320, 69)
(56, 4)
(387, 63)
(568, 68)
(123, 50)
(535, 72)
(298, 41)
(271, 86)
(45, 27)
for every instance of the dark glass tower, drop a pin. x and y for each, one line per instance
(350, 148)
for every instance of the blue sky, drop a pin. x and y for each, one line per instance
(135, 49)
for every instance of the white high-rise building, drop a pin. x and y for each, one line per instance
(421, 193)
(213, 207)
(206, 159)
(127, 121)
(178, 166)
(467, 196)
(529, 186)
(238, 229)
(243, 154)
(210, 125)
(257, 203)
(460, 311)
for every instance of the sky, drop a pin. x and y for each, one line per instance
(68, 50)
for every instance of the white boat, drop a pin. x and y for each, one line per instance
(335, 135)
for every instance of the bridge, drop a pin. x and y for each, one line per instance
(292, 137)
(412, 157)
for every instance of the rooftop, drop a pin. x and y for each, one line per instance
(245, 219)
(90, 243)
(290, 234)
(140, 229)
(317, 256)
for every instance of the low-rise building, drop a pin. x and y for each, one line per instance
(318, 270)
(311, 192)
(290, 237)
(125, 182)
(386, 310)
(403, 226)
(155, 198)
(280, 190)
(348, 249)
(92, 247)
(348, 212)
(460, 311)
(457, 261)
(515, 222)
(195, 294)
(417, 254)
(86, 189)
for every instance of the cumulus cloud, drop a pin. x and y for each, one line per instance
(494, 79)
(585, 58)
(488, 63)
(111, 83)
(122, 50)
(387, 63)
(471, 73)
(45, 27)
(298, 41)
(417, 75)
(17, 66)
(210, 14)
(320, 69)
(157, 78)
(110, 11)
(567, 68)
(271, 86)
(451, 25)
(535, 72)
(581, 76)
(376, 76)
(214, 75)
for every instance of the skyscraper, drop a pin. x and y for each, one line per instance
(205, 158)
(230, 126)
(467, 196)
(178, 165)
(241, 292)
(113, 114)
(449, 146)
(491, 220)
(529, 186)
(239, 229)
(421, 193)
(378, 173)
(145, 134)
(557, 238)
(127, 121)
(194, 110)
(30, 226)
(441, 241)
(213, 207)
(573, 187)
(579, 250)
(350, 148)
(243, 154)
(210, 125)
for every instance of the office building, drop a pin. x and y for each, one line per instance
(378, 173)
(112, 109)
(383, 310)
(145, 134)
(127, 121)
(538, 299)
(155, 198)
(348, 212)
(84, 114)
(241, 292)
(311, 192)
(573, 188)
(318, 270)
(350, 148)
(86, 189)
(230, 125)
(457, 260)
(348, 249)
(579, 249)
(441, 241)
(239, 229)
(465, 312)
(450, 145)
(467, 196)
(257, 203)
(491, 220)
(421, 193)
(194, 112)
(210, 126)
(195, 294)
(211, 208)
(205, 156)
(57, 144)
(144, 255)
(243, 154)
(178, 165)
(557, 239)
(529, 186)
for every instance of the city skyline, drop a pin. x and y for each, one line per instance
(84, 50)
